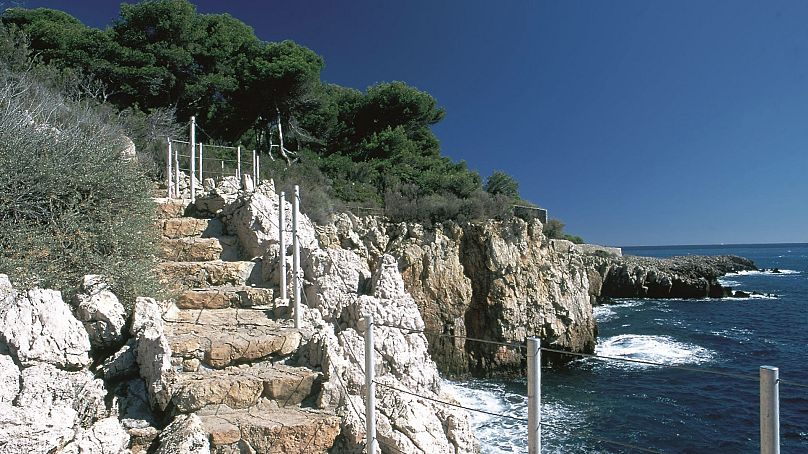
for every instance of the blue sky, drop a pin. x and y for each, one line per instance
(635, 122)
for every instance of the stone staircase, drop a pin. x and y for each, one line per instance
(229, 344)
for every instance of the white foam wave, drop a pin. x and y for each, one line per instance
(603, 313)
(728, 282)
(781, 272)
(658, 349)
(753, 296)
(500, 435)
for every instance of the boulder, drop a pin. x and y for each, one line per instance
(101, 313)
(37, 326)
(106, 436)
(154, 361)
(145, 313)
(253, 217)
(186, 435)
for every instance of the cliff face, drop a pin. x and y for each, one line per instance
(501, 281)
(675, 277)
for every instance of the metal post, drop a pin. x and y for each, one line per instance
(533, 396)
(222, 169)
(177, 172)
(370, 386)
(296, 254)
(238, 163)
(257, 169)
(193, 160)
(169, 180)
(769, 410)
(200, 163)
(282, 244)
(255, 175)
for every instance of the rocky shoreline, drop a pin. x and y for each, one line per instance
(675, 277)
(220, 368)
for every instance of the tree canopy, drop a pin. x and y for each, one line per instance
(164, 54)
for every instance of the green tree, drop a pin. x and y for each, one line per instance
(502, 183)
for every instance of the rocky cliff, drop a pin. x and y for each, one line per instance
(675, 277)
(498, 281)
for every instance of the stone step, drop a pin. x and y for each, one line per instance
(218, 338)
(223, 297)
(268, 429)
(190, 227)
(188, 275)
(199, 249)
(242, 386)
(170, 208)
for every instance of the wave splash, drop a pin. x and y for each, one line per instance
(663, 350)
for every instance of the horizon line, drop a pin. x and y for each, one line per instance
(790, 243)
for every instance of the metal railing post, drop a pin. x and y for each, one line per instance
(282, 244)
(200, 163)
(193, 159)
(370, 386)
(177, 172)
(255, 175)
(238, 162)
(533, 395)
(296, 254)
(169, 179)
(769, 410)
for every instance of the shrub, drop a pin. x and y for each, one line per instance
(69, 205)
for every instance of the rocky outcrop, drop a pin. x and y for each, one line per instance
(101, 313)
(675, 277)
(49, 400)
(498, 281)
(340, 289)
(37, 326)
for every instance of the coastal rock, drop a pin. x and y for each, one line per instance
(338, 278)
(675, 277)
(186, 435)
(101, 313)
(497, 280)
(9, 379)
(253, 217)
(106, 436)
(37, 326)
(154, 361)
(122, 363)
(145, 313)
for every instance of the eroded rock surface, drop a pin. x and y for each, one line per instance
(499, 281)
(37, 326)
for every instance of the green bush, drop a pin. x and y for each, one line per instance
(69, 204)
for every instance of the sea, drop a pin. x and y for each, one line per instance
(604, 406)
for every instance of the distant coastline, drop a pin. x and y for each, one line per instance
(714, 246)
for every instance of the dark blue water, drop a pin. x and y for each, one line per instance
(666, 409)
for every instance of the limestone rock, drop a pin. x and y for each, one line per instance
(37, 326)
(76, 396)
(674, 277)
(268, 429)
(106, 436)
(186, 435)
(122, 363)
(9, 379)
(145, 313)
(101, 313)
(154, 361)
(253, 217)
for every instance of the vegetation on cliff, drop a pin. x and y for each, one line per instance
(70, 204)
(356, 148)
